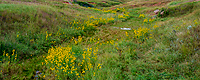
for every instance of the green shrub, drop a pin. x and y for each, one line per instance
(85, 4)
(177, 10)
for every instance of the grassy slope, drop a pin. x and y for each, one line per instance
(31, 20)
(163, 57)
(168, 55)
(24, 26)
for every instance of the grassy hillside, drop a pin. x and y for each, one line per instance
(49, 39)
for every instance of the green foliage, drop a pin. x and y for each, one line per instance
(107, 3)
(103, 4)
(90, 30)
(85, 4)
(174, 3)
(113, 3)
(13, 70)
(191, 42)
(177, 10)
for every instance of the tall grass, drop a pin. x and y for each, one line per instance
(95, 47)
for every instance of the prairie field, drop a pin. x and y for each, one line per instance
(99, 39)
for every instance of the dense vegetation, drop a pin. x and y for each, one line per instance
(109, 39)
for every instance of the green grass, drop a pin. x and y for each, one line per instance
(165, 48)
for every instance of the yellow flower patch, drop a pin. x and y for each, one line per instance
(64, 60)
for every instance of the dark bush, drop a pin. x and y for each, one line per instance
(84, 4)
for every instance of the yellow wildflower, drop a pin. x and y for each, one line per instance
(145, 20)
(141, 15)
(155, 26)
